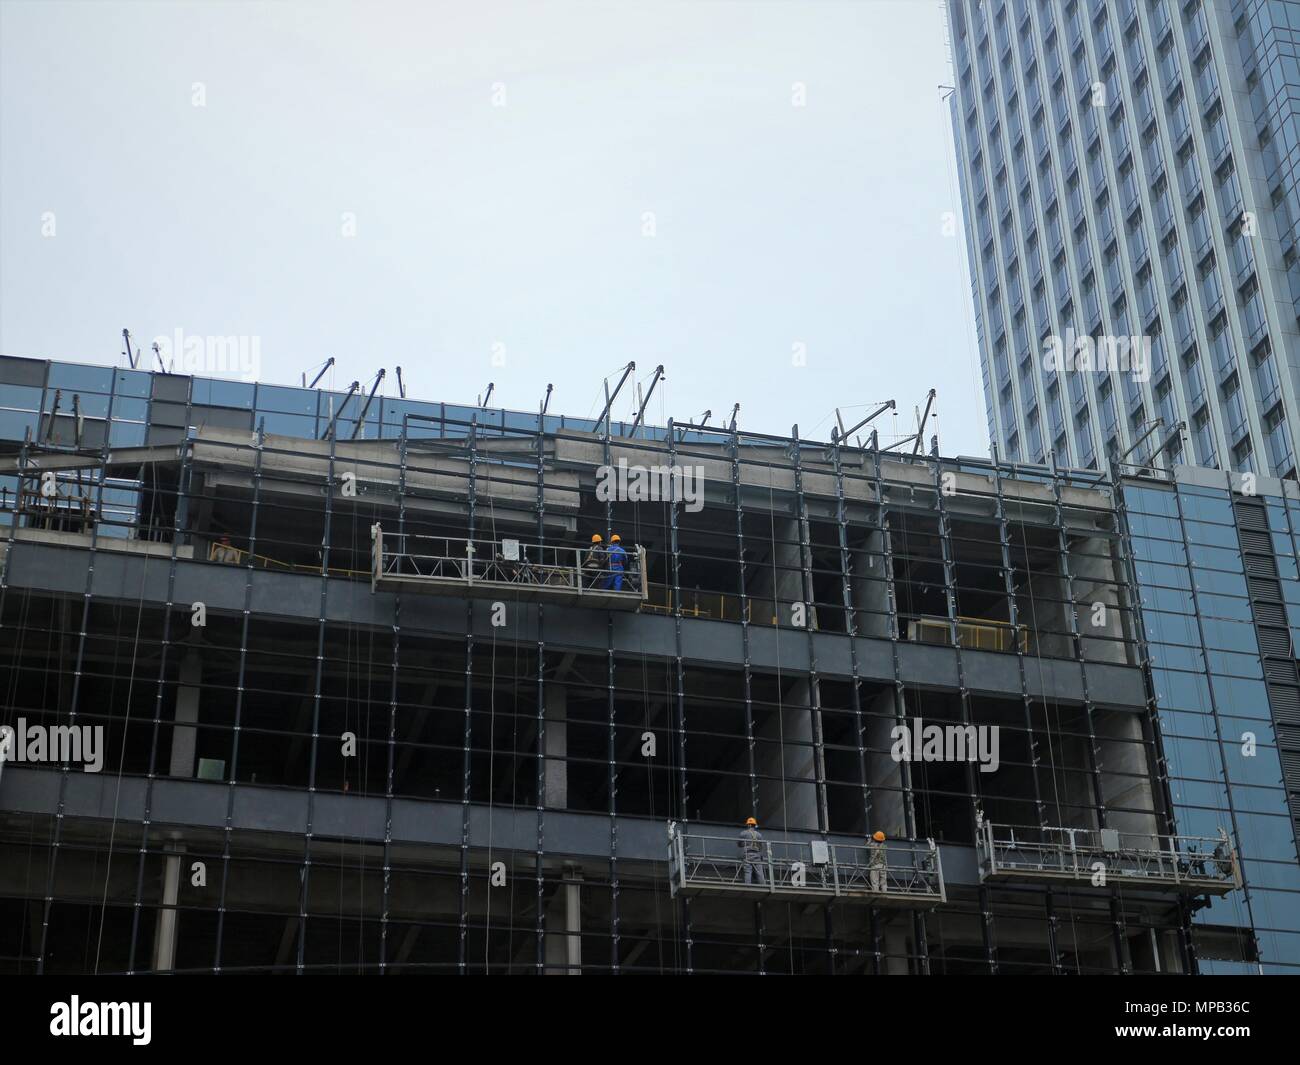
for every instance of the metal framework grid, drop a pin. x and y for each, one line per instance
(681, 936)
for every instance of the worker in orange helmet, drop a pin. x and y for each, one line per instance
(752, 850)
(877, 867)
(593, 564)
(617, 563)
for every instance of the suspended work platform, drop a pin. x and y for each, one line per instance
(1198, 865)
(507, 568)
(911, 874)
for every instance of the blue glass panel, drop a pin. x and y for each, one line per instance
(1179, 723)
(1216, 558)
(1151, 501)
(1263, 837)
(1220, 582)
(1234, 728)
(286, 400)
(1160, 528)
(1199, 793)
(15, 424)
(20, 397)
(223, 393)
(134, 410)
(1224, 910)
(1272, 874)
(71, 377)
(1193, 759)
(1201, 821)
(1262, 768)
(1230, 664)
(1229, 635)
(1200, 532)
(126, 434)
(1282, 949)
(1170, 656)
(1156, 573)
(1276, 909)
(132, 383)
(1243, 698)
(1204, 504)
(1224, 606)
(1188, 691)
(1162, 551)
(1170, 599)
(290, 425)
(91, 404)
(1172, 628)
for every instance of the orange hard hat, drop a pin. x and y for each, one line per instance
(750, 821)
(595, 538)
(616, 539)
(879, 837)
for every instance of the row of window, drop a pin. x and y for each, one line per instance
(1208, 282)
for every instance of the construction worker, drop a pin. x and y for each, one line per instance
(223, 552)
(1222, 860)
(617, 563)
(751, 852)
(876, 866)
(593, 564)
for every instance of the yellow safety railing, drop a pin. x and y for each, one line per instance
(979, 634)
(234, 556)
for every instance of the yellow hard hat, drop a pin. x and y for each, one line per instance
(879, 837)
(595, 538)
(750, 821)
(616, 539)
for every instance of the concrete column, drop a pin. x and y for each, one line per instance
(787, 763)
(563, 946)
(1125, 772)
(164, 940)
(897, 961)
(184, 735)
(1068, 793)
(1093, 570)
(870, 588)
(1169, 955)
(884, 774)
(555, 773)
(184, 742)
(778, 583)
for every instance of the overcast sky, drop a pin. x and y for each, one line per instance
(729, 189)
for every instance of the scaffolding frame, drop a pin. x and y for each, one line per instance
(869, 471)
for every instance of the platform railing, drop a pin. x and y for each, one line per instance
(902, 872)
(1196, 864)
(540, 570)
(980, 634)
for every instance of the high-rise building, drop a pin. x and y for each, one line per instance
(298, 680)
(1130, 178)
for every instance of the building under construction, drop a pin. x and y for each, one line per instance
(368, 698)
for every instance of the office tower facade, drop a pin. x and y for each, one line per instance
(1129, 176)
(300, 682)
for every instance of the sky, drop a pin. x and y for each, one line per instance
(756, 195)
